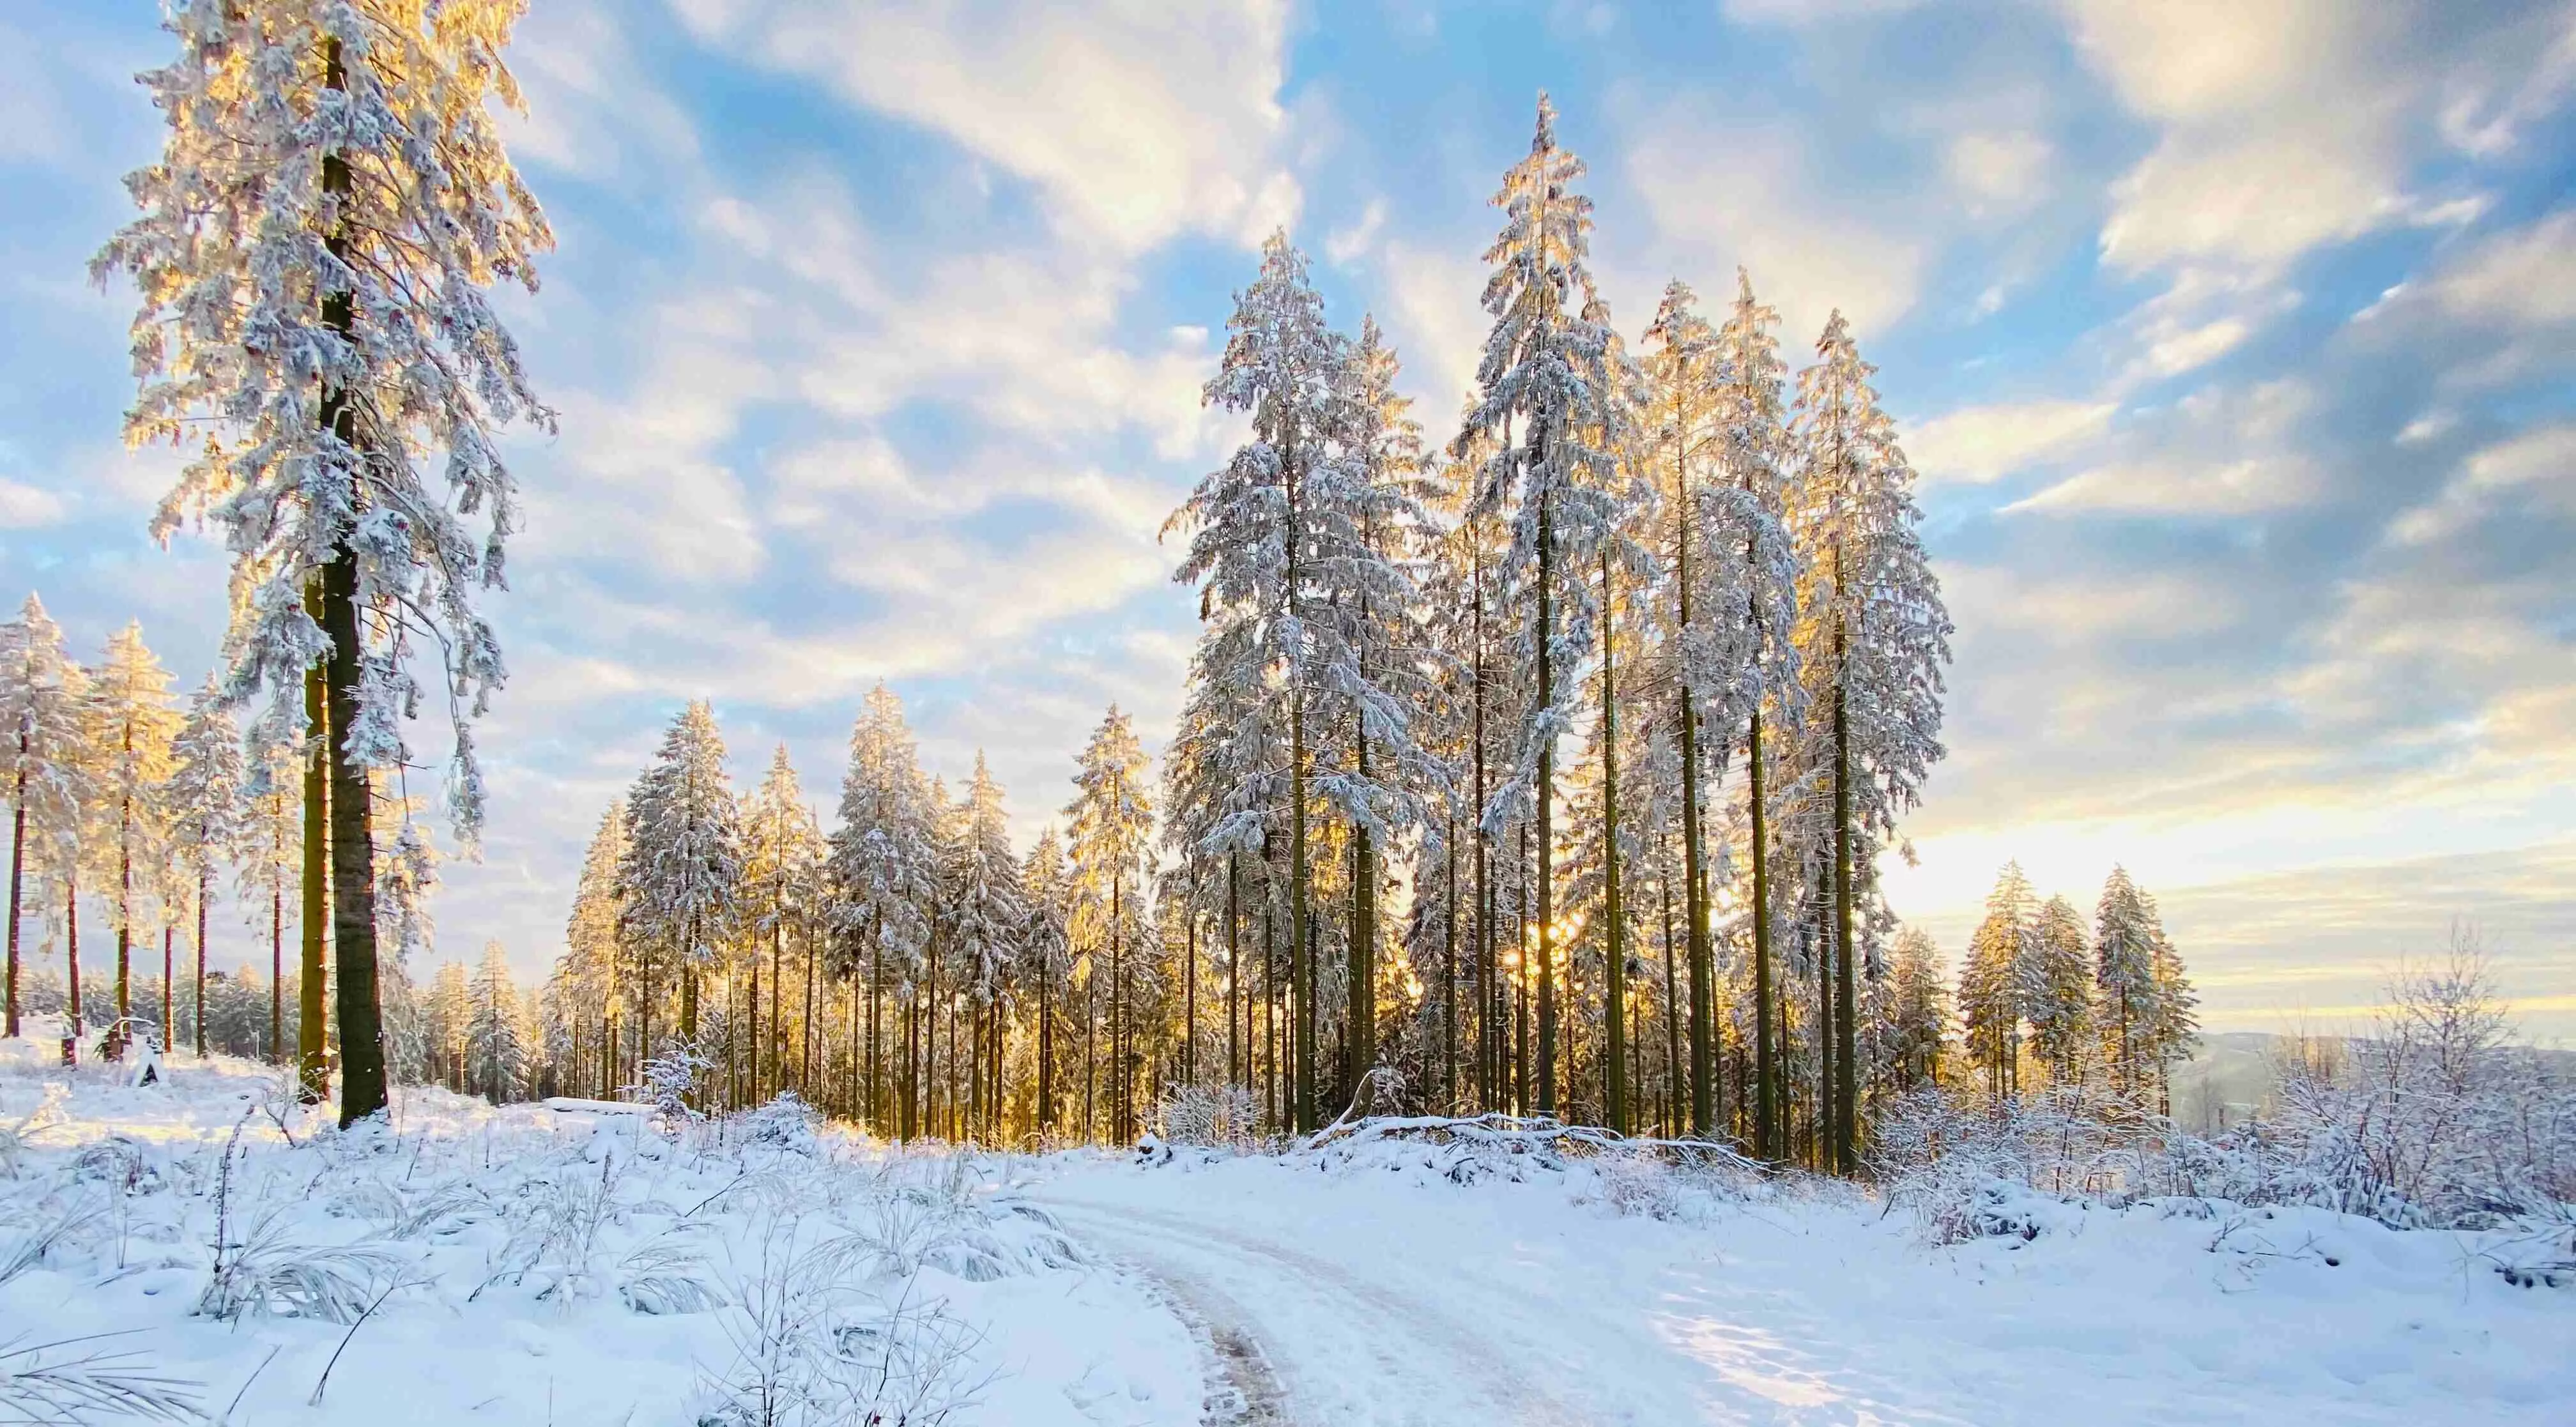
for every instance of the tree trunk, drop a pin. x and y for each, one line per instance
(1190, 984)
(1846, 1080)
(1301, 969)
(124, 904)
(17, 876)
(71, 955)
(312, 1080)
(1449, 974)
(1703, 961)
(1672, 1023)
(1046, 1051)
(276, 966)
(1615, 982)
(1546, 815)
(1766, 1114)
(1489, 1060)
(1118, 1074)
(197, 1007)
(1234, 1074)
(353, 879)
(1363, 974)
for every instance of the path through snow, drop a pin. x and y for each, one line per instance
(1380, 1296)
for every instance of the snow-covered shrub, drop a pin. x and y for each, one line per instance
(667, 1275)
(1225, 1117)
(85, 1380)
(47, 1114)
(671, 1082)
(786, 1123)
(42, 1226)
(818, 1338)
(271, 1273)
(2433, 1119)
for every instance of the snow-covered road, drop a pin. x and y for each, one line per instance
(1374, 1297)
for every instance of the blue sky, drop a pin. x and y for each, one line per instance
(2236, 343)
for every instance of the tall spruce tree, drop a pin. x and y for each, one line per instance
(991, 912)
(1744, 649)
(207, 808)
(1255, 529)
(1546, 396)
(595, 941)
(782, 884)
(1991, 985)
(2056, 991)
(884, 877)
(682, 872)
(1109, 828)
(331, 199)
(41, 754)
(129, 725)
(1873, 636)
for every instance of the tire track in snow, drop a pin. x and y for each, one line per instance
(1423, 1356)
(1244, 1390)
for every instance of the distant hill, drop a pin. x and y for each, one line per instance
(2235, 1074)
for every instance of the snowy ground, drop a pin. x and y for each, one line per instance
(1380, 1292)
(531, 1266)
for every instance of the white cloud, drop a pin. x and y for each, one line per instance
(2520, 278)
(2222, 451)
(1727, 195)
(1978, 444)
(1809, 12)
(25, 507)
(1138, 121)
(1438, 324)
(1999, 168)
(1344, 244)
(2287, 124)
(2536, 466)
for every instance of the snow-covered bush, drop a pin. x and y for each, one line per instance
(86, 1380)
(272, 1273)
(2433, 1121)
(1225, 1117)
(786, 1123)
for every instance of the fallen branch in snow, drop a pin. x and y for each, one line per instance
(1531, 1134)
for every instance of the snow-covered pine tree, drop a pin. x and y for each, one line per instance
(1546, 393)
(496, 1049)
(1371, 532)
(782, 882)
(129, 723)
(406, 874)
(1265, 639)
(450, 1029)
(2057, 991)
(1873, 636)
(1743, 648)
(1990, 981)
(1677, 440)
(41, 748)
(682, 871)
(990, 906)
(1046, 965)
(331, 200)
(884, 878)
(2176, 1027)
(272, 854)
(1109, 830)
(2125, 938)
(207, 803)
(595, 944)
(1918, 1009)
